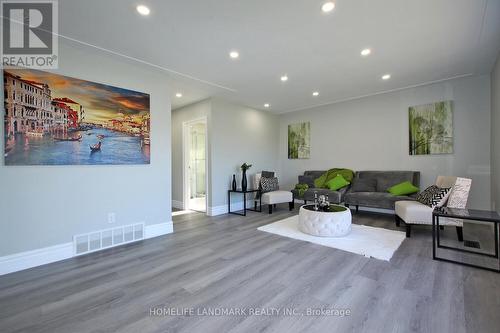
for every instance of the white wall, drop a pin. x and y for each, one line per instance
(495, 135)
(42, 206)
(236, 134)
(240, 134)
(372, 134)
(179, 116)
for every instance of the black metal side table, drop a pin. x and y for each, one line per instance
(464, 214)
(244, 201)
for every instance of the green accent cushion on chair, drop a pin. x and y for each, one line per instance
(337, 183)
(404, 188)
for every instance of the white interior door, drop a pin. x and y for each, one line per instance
(195, 165)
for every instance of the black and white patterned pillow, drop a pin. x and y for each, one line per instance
(269, 184)
(434, 196)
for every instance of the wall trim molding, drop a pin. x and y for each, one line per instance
(28, 259)
(160, 229)
(178, 204)
(23, 260)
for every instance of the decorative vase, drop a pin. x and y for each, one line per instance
(244, 181)
(234, 183)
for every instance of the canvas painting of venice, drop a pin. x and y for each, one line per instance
(58, 120)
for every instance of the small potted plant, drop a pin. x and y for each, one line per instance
(244, 168)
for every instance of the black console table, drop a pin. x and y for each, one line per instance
(244, 201)
(464, 214)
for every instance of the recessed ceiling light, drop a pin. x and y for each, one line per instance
(266, 105)
(366, 52)
(234, 54)
(386, 77)
(328, 7)
(178, 95)
(315, 93)
(284, 78)
(143, 10)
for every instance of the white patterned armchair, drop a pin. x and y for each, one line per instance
(274, 197)
(414, 212)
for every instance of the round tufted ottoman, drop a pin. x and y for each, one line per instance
(336, 222)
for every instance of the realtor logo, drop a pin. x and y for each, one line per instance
(29, 34)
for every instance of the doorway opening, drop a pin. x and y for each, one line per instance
(195, 165)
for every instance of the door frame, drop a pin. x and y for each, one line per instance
(185, 161)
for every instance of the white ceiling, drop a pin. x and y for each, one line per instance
(416, 41)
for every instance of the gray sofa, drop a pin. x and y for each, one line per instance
(369, 188)
(308, 178)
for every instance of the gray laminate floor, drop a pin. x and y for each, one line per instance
(225, 263)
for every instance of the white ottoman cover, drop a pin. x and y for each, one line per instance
(325, 224)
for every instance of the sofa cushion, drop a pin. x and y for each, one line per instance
(364, 185)
(373, 199)
(413, 212)
(276, 197)
(385, 181)
(334, 196)
(309, 180)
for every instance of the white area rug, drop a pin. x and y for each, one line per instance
(368, 241)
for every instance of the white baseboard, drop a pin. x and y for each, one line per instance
(177, 204)
(222, 209)
(24, 260)
(155, 230)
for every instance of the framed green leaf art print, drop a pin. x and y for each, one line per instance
(431, 128)
(299, 141)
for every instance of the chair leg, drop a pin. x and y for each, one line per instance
(270, 209)
(255, 205)
(274, 206)
(291, 205)
(398, 221)
(441, 227)
(357, 208)
(460, 234)
(408, 230)
(347, 205)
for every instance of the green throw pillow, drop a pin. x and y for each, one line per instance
(404, 188)
(337, 183)
(322, 181)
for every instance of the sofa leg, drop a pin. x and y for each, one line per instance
(398, 221)
(357, 208)
(291, 205)
(270, 209)
(408, 230)
(460, 234)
